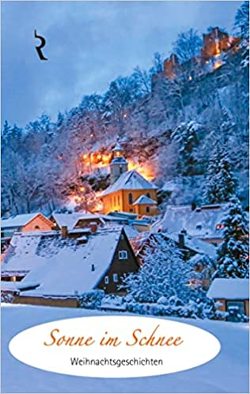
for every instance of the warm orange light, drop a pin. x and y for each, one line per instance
(147, 171)
(217, 64)
(100, 159)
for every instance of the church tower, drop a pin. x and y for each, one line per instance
(118, 165)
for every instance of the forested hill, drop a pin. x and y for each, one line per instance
(188, 133)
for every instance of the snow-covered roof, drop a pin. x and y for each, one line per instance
(195, 244)
(19, 220)
(170, 186)
(144, 200)
(73, 271)
(70, 219)
(129, 180)
(130, 231)
(117, 147)
(121, 214)
(201, 222)
(17, 286)
(229, 289)
(60, 265)
(22, 254)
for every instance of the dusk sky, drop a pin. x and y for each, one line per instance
(88, 45)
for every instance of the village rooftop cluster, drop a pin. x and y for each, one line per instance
(53, 260)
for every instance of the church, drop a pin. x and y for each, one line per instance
(129, 191)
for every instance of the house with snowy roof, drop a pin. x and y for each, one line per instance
(231, 294)
(189, 246)
(203, 222)
(55, 268)
(75, 220)
(129, 191)
(23, 223)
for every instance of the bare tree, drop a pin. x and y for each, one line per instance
(187, 45)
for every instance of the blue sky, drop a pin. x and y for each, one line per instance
(88, 45)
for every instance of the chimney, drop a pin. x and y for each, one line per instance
(181, 239)
(93, 227)
(64, 231)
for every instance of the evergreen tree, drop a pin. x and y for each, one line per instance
(186, 136)
(164, 273)
(220, 183)
(232, 259)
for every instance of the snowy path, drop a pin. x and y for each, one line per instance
(226, 373)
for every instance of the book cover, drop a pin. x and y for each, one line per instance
(124, 236)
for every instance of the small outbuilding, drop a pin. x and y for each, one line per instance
(230, 293)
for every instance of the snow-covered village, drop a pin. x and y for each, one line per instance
(135, 203)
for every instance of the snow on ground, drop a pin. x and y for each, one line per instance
(228, 372)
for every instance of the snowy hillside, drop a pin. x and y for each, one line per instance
(172, 128)
(211, 377)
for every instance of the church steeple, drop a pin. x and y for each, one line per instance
(118, 165)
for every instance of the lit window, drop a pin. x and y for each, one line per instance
(236, 305)
(106, 280)
(123, 255)
(115, 278)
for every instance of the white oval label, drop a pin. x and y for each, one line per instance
(114, 346)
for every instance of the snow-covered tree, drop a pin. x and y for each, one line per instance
(143, 79)
(233, 258)
(241, 22)
(163, 273)
(187, 45)
(157, 63)
(186, 135)
(220, 183)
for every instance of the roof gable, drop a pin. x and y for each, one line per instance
(145, 200)
(22, 220)
(71, 219)
(130, 180)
